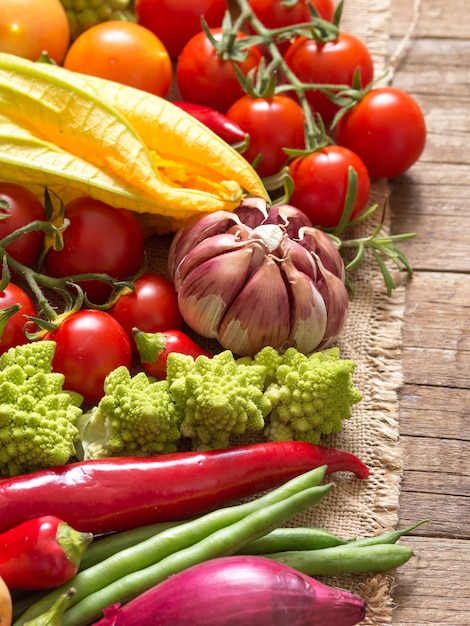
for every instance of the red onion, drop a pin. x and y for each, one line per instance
(239, 591)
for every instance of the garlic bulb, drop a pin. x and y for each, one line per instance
(255, 278)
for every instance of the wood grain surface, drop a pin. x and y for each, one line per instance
(432, 199)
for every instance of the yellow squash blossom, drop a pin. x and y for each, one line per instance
(79, 134)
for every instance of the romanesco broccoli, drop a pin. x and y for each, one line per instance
(37, 417)
(218, 397)
(310, 395)
(83, 14)
(136, 416)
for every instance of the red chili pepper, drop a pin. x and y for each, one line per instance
(154, 349)
(41, 553)
(119, 493)
(214, 120)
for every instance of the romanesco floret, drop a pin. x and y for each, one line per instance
(37, 417)
(83, 14)
(311, 395)
(218, 397)
(136, 416)
(269, 358)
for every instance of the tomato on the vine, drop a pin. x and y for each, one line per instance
(258, 117)
(330, 63)
(151, 307)
(13, 333)
(90, 344)
(176, 21)
(204, 78)
(386, 129)
(19, 207)
(99, 239)
(124, 52)
(28, 28)
(321, 184)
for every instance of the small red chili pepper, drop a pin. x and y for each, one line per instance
(41, 553)
(154, 349)
(214, 120)
(120, 493)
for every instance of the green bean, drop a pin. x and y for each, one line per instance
(168, 541)
(298, 538)
(103, 547)
(348, 559)
(390, 537)
(222, 542)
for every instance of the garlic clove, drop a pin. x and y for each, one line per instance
(289, 217)
(335, 296)
(303, 260)
(260, 314)
(321, 245)
(198, 230)
(209, 289)
(308, 310)
(204, 251)
(252, 211)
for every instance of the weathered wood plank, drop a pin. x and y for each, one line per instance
(439, 456)
(432, 199)
(445, 597)
(434, 412)
(438, 19)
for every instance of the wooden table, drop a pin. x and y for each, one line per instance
(433, 199)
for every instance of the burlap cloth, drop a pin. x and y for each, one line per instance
(371, 338)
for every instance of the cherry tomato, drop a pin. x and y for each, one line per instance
(275, 13)
(386, 129)
(169, 341)
(258, 117)
(176, 21)
(19, 207)
(28, 28)
(332, 63)
(13, 331)
(151, 307)
(124, 52)
(204, 78)
(321, 184)
(99, 239)
(90, 344)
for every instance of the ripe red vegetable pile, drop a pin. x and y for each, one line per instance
(295, 95)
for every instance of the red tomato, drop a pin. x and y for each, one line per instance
(124, 52)
(151, 307)
(386, 129)
(332, 63)
(90, 344)
(22, 207)
(99, 239)
(13, 332)
(321, 184)
(176, 21)
(275, 13)
(204, 78)
(28, 28)
(258, 117)
(170, 341)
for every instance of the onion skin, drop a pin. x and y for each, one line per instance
(239, 590)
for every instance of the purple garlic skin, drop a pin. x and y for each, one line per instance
(257, 278)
